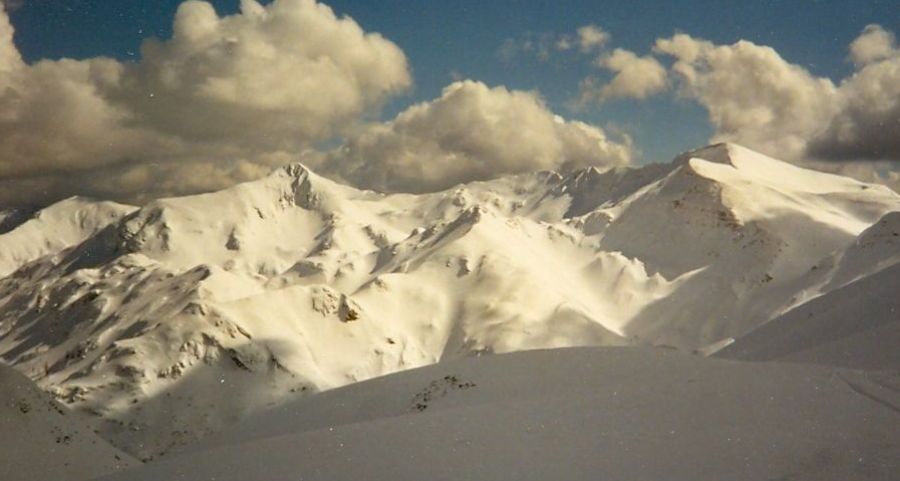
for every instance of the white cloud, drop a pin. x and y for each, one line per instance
(564, 42)
(752, 94)
(591, 37)
(289, 70)
(588, 39)
(222, 93)
(635, 77)
(9, 55)
(757, 98)
(471, 132)
(874, 44)
(53, 118)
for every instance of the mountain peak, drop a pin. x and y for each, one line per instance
(727, 153)
(719, 153)
(296, 170)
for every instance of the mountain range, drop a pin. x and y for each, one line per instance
(167, 323)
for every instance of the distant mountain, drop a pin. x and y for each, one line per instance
(227, 303)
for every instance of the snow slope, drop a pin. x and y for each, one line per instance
(234, 301)
(585, 413)
(42, 440)
(12, 218)
(53, 229)
(850, 318)
(856, 326)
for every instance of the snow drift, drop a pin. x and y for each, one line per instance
(573, 414)
(44, 440)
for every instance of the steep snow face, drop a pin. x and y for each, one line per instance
(226, 303)
(573, 414)
(44, 440)
(848, 314)
(855, 326)
(877, 248)
(745, 227)
(55, 228)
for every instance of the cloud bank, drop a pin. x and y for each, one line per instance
(471, 132)
(757, 98)
(226, 99)
(753, 96)
(226, 95)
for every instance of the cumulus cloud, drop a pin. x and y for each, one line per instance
(756, 97)
(635, 77)
(53, 118)
(874, 44)
(9, 56)
(225, 94)
(592, 37)
(470, 132)
(753, 96)
(867, 123)
(291, 69)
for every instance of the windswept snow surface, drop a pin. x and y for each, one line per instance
(42, 440)
(851, 315)
(571, 414)
(189, 313)
(53, 229)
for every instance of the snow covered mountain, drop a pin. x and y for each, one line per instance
(228, 303)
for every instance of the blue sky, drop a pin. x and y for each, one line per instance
(462, 38)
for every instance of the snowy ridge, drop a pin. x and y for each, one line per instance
(64, 224)
(294, 284)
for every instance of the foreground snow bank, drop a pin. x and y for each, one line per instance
(585, 413)
(41, 440)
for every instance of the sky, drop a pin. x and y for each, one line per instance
(519, 61)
